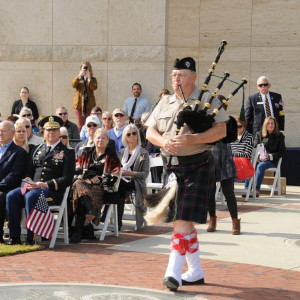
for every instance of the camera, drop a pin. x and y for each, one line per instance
(85, 68)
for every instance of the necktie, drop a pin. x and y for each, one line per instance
(48, 150)
(268, 110)
(133, 108)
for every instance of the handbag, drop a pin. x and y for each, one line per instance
(244, 167)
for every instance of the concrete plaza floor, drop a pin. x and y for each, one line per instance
(261, 263)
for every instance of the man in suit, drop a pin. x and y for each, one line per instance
(12, 166)
(51, 170)
(262, 105)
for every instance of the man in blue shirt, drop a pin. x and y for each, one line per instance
(116, 132)
(136, 105)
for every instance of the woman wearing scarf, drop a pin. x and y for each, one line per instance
(84, 99)
(87, 189)
(135, 164)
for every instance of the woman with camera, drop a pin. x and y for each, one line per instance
(88, 188)
(84, 99)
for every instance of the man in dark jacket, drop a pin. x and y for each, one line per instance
(12, 166)
(262, 105)
(51, 170)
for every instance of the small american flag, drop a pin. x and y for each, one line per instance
(40, 219)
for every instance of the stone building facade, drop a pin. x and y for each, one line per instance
(42, 43)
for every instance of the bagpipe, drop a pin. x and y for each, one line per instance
(163, 204)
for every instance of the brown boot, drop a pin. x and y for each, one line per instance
(212, 224)
(236, 226)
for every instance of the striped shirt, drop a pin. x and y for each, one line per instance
(244, 146)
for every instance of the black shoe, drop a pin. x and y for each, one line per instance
(171, 283)
(29, 243)
(200, 281)
(76, 238)
(14, 241)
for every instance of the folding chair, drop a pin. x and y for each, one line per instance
(154, 162)
(110, 218)
(219, 193)
(276, 186)
(62, 211)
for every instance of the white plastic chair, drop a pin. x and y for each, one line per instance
(154, 162)
(62, 211)
(276, 186)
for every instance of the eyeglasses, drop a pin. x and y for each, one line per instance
(91, 125)
(263, 84)
(27, 126)
(240, 126)
(133, 133)
(26, 115)
(109, 119)
(64, 137)
(119, 115)
(63, 114)
(96, 113)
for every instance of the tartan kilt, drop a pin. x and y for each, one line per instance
(195, 185)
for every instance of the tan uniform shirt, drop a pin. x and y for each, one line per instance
(165, 114)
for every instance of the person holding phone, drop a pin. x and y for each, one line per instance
(84, 100)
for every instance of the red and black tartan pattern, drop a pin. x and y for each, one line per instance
(195, 185)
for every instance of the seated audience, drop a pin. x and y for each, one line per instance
(107, 120)
(20, 138)
(115, 133)
(64, 137)
(41, 129)
(96, 111)
(243, 146)
(87, 188)
(27, 113)
(273, 141)
(13, 119)
(73, 132)
(51, 168)
(135, 164)
(24, 102)
(13, 162)
(32, 138)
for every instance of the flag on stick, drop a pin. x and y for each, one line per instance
(40, 219)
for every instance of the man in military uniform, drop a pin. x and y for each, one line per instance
(192, 164)
(51, 170)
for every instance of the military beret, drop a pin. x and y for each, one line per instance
(51, 122)
(186, 63)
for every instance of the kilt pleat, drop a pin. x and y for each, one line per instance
(195, 185)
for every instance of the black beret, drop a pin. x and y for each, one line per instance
(51, 122)
(186, 63)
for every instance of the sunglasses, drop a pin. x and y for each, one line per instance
(27, 126)
(240, 126)
(91, 125)
(263, 84)
(133, 133)
(119, 115)
(64, 137)
(63, 114)
(109, 119)
(27, 115)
